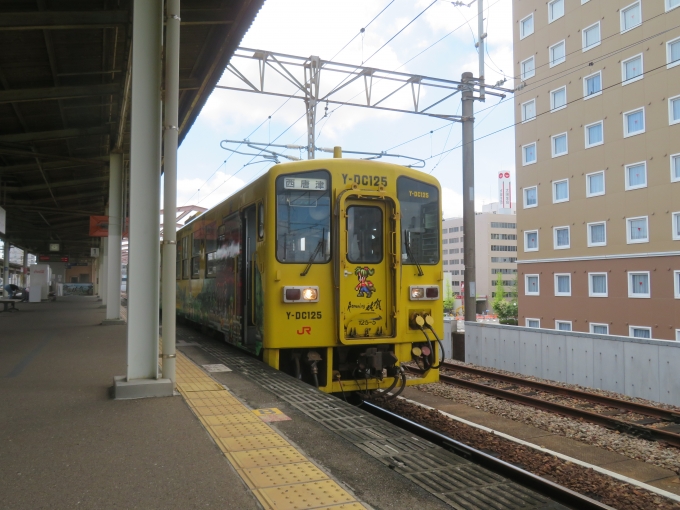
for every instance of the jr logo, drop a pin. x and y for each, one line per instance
(305, 330)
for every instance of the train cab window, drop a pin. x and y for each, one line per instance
(211, 250)
(185, 257)
(420, 221)
(364, 234)
(303, 217)
(196, 239)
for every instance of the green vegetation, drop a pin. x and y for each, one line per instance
(506, 310)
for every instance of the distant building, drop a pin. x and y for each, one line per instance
(597, 135)
(495, 247)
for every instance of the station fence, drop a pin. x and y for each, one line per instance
(636, 367)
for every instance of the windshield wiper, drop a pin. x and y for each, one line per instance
(314, 254)
(409, 252)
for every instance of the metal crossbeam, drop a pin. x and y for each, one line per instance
(304, 73)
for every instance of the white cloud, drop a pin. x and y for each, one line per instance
(213, 192)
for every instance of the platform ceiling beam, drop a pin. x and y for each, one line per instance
(50, 93)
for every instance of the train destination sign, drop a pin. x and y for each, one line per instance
(305, 184)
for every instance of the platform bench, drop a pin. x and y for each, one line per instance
(8, 304)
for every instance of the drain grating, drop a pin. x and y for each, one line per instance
(451, 478)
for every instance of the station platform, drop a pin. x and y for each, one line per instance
(243, 437)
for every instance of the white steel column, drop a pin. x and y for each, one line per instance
(144, 252)
(170, 134)
(5, 266)
(114, 240)
(103, 279)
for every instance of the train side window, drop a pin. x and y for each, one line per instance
(303, 217)
(196, 239)
(211, 250)
(420, 221)
(185, 257)
(260, 221)
(178, 261)
(364, 234)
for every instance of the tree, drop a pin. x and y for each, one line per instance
(498, 300)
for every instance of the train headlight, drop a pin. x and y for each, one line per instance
(424, 292)
(301, 294)
(310, 294)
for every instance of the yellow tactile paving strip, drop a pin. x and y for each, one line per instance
(280, 476)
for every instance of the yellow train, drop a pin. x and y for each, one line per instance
(330, 270)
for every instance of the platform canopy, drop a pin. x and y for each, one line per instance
(65, 83)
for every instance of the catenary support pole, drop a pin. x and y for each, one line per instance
(481, 35)
(114, 241)
(144, 252)
(470, 296)
(170, 134)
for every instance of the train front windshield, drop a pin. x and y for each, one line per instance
(420, 221)
(303, 217)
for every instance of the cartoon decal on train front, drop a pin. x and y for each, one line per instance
(365, 286)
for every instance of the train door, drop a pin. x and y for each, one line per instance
(250, 334)
(366, 279)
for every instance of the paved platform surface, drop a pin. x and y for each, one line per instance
(648, 473)
(65, 444)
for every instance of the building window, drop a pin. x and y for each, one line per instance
(676, 284)
(528, 68)
(592, 85)
(531, 240)
(639, 332)
(594, 134)
(597, 234)
(529, 110)
(531, 285)
(597, 285)
(672, 4)
(559, 145)
(638, 284)
(497, 224)
(555, 10)
(533, 323)
(676, 226)
(529, 154)
(526, 26)
(561, 238)
(599, 329)
(636, 175)
(563, 284)
(595, 184)
(675, 167)
(637, 231)
(563, 325)
(530, 197)
(557, 54)
(558, 99)
(634, 122)
(631, 69)
(591, 36)
(674, 110)
(631, 17)
(560, 191)
(673, 52)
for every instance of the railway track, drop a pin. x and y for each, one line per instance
(615, 406)
(554, 491)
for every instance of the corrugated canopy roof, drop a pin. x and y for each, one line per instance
(64, 104)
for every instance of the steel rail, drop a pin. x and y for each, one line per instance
(657, 412)
(571, 412)
(525, 478)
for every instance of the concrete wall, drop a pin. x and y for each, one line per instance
(635, 367)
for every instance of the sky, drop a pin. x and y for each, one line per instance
(207, 174)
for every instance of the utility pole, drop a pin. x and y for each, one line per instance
(481, 35)
(312, 79)
(470, 297)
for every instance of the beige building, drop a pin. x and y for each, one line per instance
(496, 252)
(598, 165)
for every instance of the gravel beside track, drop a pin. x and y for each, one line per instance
(585, 481)
(588, 433)
(594, 391)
